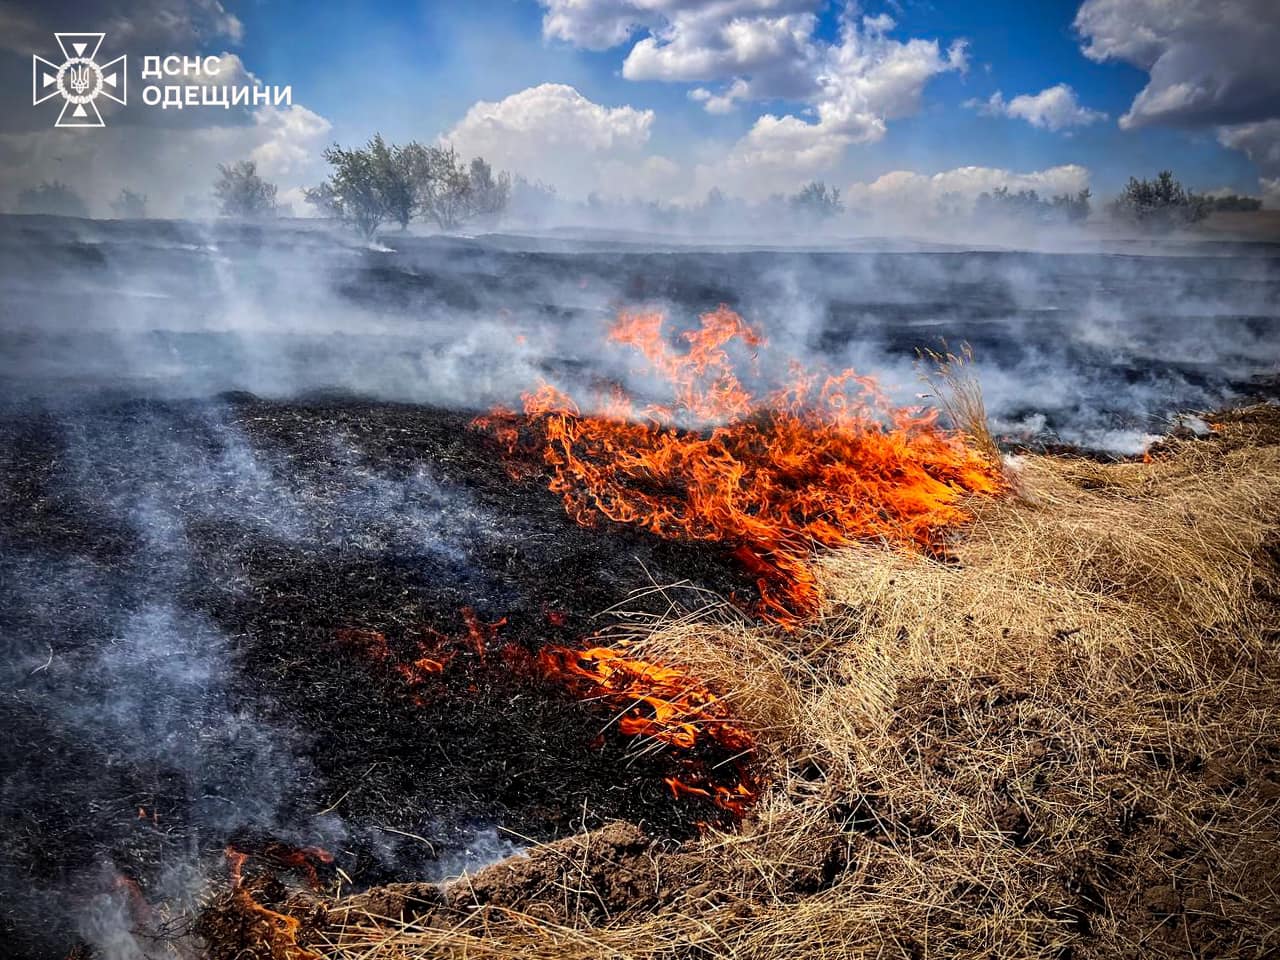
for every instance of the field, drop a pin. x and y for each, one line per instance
(304, 603)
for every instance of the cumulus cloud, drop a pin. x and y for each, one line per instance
(758, 50)
(772, 54)
(553, 133)
(1209, 62)
(1260, 142)
(913, 195)
(723, 102)
(130, 25)
(1054, 108)
(602, 24)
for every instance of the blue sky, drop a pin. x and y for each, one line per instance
(412, 69)
(892, 101)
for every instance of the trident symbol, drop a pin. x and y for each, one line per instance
(79, 78)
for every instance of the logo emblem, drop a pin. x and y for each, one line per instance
(79, 80)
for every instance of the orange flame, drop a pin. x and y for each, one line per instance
(663, 704)
(279, 929)
(822, 461)
(435, 650)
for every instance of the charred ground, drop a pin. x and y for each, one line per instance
(396, 782)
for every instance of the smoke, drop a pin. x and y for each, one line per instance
(1094, 342)
(138, 731)
(138, 745)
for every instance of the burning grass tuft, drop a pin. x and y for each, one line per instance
(824, 460)
(1063, 740)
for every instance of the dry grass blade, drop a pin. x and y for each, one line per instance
(958, 391)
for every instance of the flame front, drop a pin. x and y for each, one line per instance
(825, 460)
(663, 704)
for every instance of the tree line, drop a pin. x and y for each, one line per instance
(383, 183)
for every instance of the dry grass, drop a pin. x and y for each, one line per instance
(959, 394)
(1064, 743)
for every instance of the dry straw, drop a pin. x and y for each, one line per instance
(1060, 741)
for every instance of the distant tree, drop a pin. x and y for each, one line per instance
(445, 192)
(1160, 202)
(382, 182)
(490, 195)
(240, 192)
(1232, 202)
(1074, 208)
(817, 200)
(356, 191)
(52, 197)
(129, 205)
(531, 201)
(1028, 205)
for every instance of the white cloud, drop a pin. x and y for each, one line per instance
(754, 50)
(1260, 142)
(1054, 108)
(601, 24)
(720, 103)
(553, 133)
(772, 54)
(1209, 62)
(915, 195)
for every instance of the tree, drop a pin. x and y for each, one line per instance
(1160, 202)
(817, 200)
(352, 194)
(489, 195)
(382, 182)
(52, 197)
(129, 205)
(1235, 203)
(396, 171)
(531, 202)
(240, 192)
(1028, 205)
(445, 190)
(1074, 209)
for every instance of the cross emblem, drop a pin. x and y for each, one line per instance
(79, 80)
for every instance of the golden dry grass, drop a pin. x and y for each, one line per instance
(959, 394)
(1062, 742)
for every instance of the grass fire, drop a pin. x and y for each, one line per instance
(821, 461)
(531, 598)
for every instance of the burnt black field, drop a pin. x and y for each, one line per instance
(221, 446)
